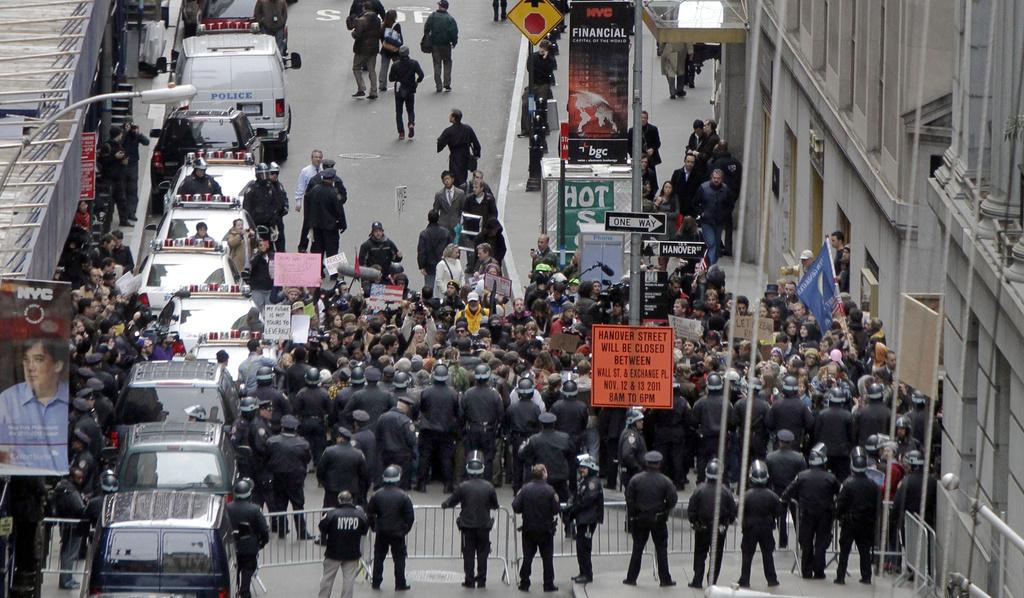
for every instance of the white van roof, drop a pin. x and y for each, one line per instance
(229, 44)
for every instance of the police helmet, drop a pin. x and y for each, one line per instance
(874, 443)
(248, 405)
(875, 392)
(837, 396)
(262, 169)
(570, 388)
(108, 481)
(524, 387)
(733, 377)
(711, 471)
(358, 377)
(199, 164)
(758, 473)
(634, 415)
(196, 412)
(790, 386)
(818, 455)
(392, 474)
(264, 375)
(482, 372)
(715, 383)
(475, 463)
(918, 398)
(273, 168)
(588, 462)
(242, 489)
(440, 373)
(858, 460)
(312, 377)
(401, 380)
(903, 422)
(914, 459)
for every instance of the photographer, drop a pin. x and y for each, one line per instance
(131, 140)
(113, 164)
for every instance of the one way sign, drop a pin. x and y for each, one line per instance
(630, 222)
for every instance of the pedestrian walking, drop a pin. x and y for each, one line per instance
(341, 533)
(673, 67)
(430, 247)
(814, 490)
(342, 468)
(584, 512)
(701, 513)
(391, 517)
(504, 8)
(407, 75)
(366, 45)
(857, 512)
(650, 498)
(391, 40)
(463, 146)
(289, 457)
(732, 175)
(537, 503)
(440, 36)
(632, 446)
(448, 203)
(478, 498)
(272, 17)
(251, 533)
(715, 207)
(130, 141)
(762, 508)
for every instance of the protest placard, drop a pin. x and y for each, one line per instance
(297, 269)
(129, 284)
(566, 343)
(277, 322)
(745, 327)
(502, 287)
(384, 296)
(687, 328)
(300, 329)
(332, 262)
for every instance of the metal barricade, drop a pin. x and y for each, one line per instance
(918, 554)
(286, 549)
(55, 534)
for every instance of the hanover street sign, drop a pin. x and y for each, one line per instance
(630, 222)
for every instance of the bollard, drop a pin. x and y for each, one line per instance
(537, 149)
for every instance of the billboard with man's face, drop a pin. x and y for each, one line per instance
(35, 324)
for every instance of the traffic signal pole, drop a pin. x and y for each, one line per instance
(637, 205)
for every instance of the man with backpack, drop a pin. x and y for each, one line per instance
(407, 75)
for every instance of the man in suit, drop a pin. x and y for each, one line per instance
(651, 141)
(685, 183)
(448, 202)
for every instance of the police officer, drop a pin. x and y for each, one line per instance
(758, 412)
(789, 413)
(918, 415)
(245, 433)
(259, 435)
(572, 415)
(342, 468)
(280, 200)
(439, 417)
(478, 498)
(483, 411)
(391, 517)
(554, 450)
(400, 390)
(857, 512)
(905, 441)
(910, 491)
(372, 399)
(341, 532)
(396, 439)
(94, 508)
(537, 503)
(833, 427)
(250, 530)
(341, 415)
(814, 490)
(700, 511)
(585, 511)
(632, 446)
(265, 390)
(784, 464)
(650, 498)
(311, 406)
(89, 425)
(198, 182)
(289, 457)
(670, 432)
(364, 439)
(523, 419)
(762, 508)
(872, 418)
(258, 200)
(84, 461)
(707, 418)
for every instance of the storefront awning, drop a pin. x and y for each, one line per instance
(697, 21)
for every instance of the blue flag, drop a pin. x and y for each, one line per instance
(817, 289)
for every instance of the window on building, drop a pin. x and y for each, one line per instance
(817, 207)
(843, 223)
(880, 80)
(790, 189)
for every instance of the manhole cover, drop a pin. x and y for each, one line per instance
(359, 156)
(435, 576)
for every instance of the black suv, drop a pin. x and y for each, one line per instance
(160, 391)
(186, 131)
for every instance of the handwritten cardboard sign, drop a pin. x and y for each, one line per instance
(297, 269)
(277, 322)
(687, 328)
(745, 327)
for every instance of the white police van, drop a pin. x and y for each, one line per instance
(232, 66)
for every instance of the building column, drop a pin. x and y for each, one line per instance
(732, 95)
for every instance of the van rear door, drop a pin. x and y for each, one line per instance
(193, 564)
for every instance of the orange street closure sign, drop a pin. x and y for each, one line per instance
(632, 367)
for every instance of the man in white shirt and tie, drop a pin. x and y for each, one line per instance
(449, 202)
(316, 159)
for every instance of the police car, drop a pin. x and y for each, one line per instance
(240, 68)
(175, 263)
(218, 212)
(232, 171)
(234, 343)
(198, 309)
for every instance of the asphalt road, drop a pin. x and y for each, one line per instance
(361, 135)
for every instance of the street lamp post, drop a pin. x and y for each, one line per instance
(163, 95)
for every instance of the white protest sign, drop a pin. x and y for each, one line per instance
(687, 328)
(300, 329)
(332, 262)
(277, 322)
(129, 284)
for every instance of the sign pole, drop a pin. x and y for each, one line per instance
(637, 205)
(561, 213)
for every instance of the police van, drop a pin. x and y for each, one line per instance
(233, 66)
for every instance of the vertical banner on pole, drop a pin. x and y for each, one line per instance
(598, 103)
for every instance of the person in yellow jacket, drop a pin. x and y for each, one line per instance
(474, 313)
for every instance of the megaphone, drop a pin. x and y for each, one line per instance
(365, 274)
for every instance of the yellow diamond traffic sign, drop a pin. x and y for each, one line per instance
(535, 18)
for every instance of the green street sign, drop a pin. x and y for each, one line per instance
(585, 203)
